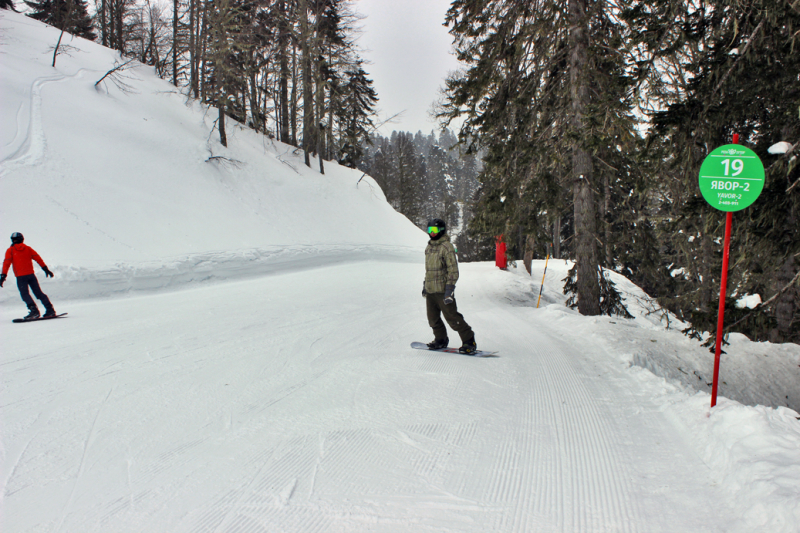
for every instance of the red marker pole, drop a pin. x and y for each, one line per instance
(722, 293)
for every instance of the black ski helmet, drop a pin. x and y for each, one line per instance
(439, 224)
(17, 238)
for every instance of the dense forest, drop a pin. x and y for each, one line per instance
(595, 117)
(428, 176)
(582, 128)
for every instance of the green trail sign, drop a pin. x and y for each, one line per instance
(731, 177)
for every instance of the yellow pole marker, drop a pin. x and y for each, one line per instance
(542, 287)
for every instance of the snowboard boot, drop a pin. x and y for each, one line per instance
(34, 313)
(438, 344)
(49, 312)
(469, 347)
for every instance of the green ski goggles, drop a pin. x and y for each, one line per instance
(433, 230)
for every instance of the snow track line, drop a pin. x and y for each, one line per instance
(29, 143)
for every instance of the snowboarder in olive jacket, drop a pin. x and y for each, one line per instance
(441, 274)
(21, 257)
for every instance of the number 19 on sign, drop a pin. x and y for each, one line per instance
(731, 177)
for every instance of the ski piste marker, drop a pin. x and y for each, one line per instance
(20, 320)
(479, 353)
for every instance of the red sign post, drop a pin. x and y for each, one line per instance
(726, 252)
(722, 293)
(731, 179)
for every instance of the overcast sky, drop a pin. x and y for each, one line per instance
(409, 53)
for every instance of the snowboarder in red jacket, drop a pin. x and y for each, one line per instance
(22, 257)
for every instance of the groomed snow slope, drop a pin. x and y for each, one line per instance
(292, 402)
(283, 396)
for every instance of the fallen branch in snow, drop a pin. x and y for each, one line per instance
(233, 162)
(278, 157)
(371, 188)
(116, 78)
(652, 307)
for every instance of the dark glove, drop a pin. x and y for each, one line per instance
(2, 279)
(448, 294)
(424, 292)
(47, 272)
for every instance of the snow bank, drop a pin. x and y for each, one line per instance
(754, 453)
(751, 373)
(171, 273)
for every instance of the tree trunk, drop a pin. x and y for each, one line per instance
(308, 97)
(193, 55)
(258, 118)
(606, 223)
(557, 237)
(223, 138)
(103, 22)
(294, 95)
(583, 195)
(319, 133)
(175, 43)
(283, 91)
(530, 245)
(784, 307)
(119, 30)
(202, 43)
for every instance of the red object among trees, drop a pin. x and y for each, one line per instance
(722, 293)
(500, 258)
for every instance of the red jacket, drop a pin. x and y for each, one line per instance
(21, 256)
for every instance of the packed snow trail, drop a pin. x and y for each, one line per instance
(294, 403)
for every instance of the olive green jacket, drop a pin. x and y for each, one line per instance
(441, 266)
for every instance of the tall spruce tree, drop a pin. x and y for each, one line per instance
(358, 108)
(541, 92)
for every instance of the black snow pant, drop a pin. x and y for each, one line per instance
(437, 308)
(23, 282)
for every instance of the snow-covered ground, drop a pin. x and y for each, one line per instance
(236, 355)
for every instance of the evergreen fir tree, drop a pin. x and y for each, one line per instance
(737, 66)
(549, 103)
(69, 15)
(358, 108)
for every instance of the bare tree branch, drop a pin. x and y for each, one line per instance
(764, 305)
(112, 75)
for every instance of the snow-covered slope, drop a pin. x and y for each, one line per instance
(287, 398)
(130, 187)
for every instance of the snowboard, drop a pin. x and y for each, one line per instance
(18, 320)
(479, 353)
